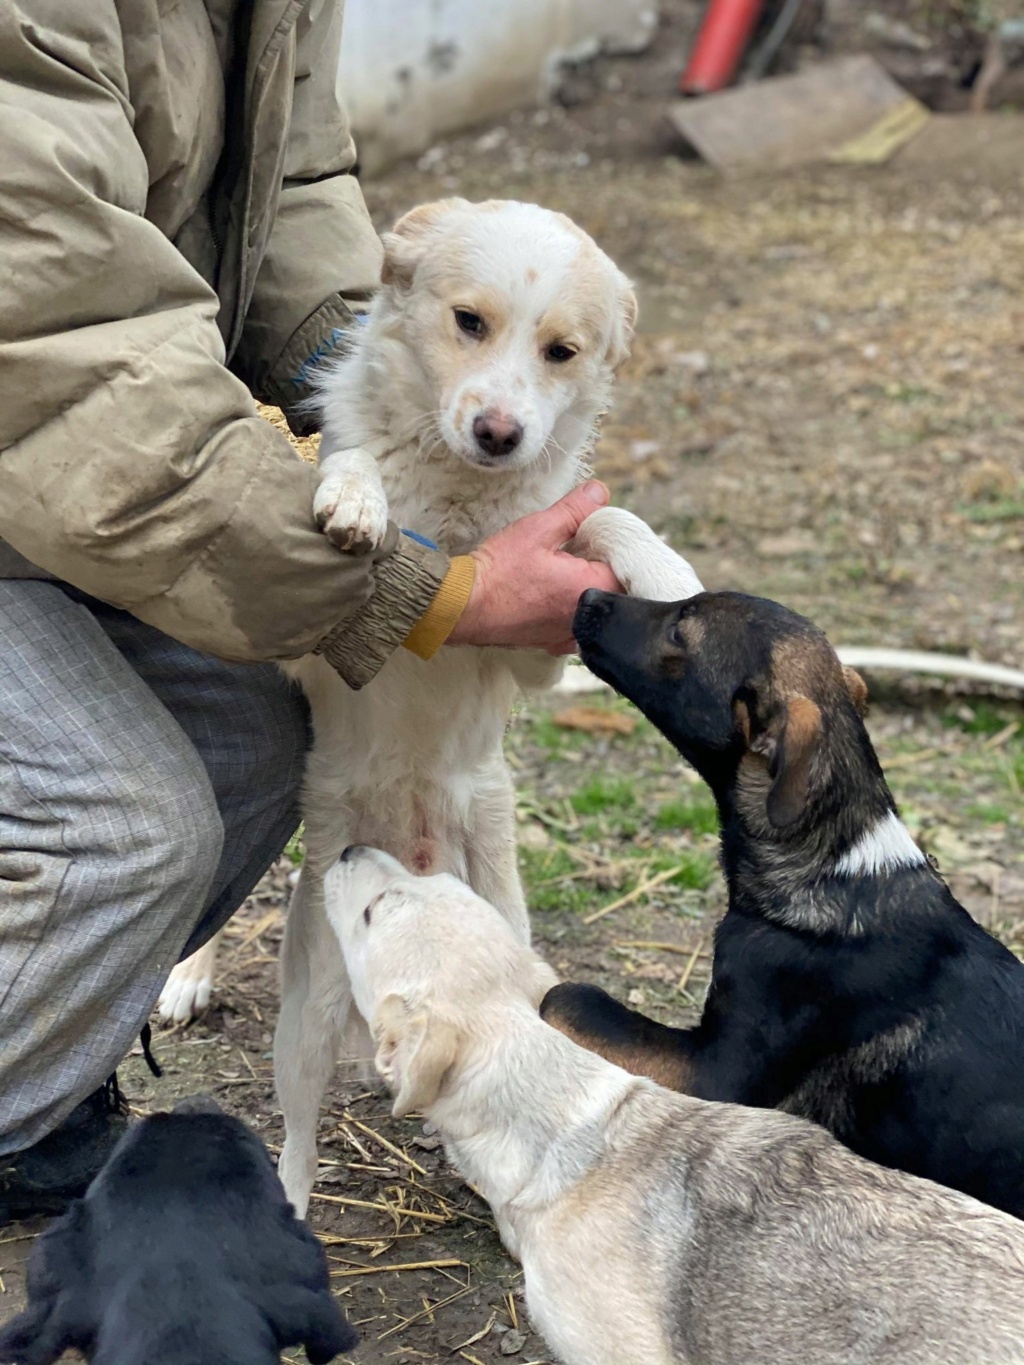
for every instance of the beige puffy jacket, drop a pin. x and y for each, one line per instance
(179, 230)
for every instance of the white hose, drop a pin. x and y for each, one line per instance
(919, 661)
(578, 680)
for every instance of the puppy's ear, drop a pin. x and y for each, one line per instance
(789, 743)
(33, 1338)
(415, 1052)
(857, 688)
(624, 324)
(408, 241)
(300, 1316)
(60, 1311)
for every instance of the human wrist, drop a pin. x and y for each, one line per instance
(441, 619)
(406, 582)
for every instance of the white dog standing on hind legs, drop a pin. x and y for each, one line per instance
(471, 399)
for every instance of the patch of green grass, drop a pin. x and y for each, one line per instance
(604, 795)
(984, 719)
(555, 738)
(603, 830)
(997, 509)
(295, 849)
(908, 393)
(697, 813)
(542, 870)
(988, 812)
(1015, 769)
(697, 870)
(550, 886)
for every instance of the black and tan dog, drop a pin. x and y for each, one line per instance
(184, 1251)
(848, 985)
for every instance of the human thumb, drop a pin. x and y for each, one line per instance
(563, 519)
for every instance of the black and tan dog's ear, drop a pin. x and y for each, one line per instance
(857, 688)
(415, 1052)
(789, 743)
(408, 241)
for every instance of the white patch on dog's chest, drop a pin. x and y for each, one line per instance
(885, 847)
(458, 508)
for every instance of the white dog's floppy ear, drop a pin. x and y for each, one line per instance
(624, 324)
(407, 242)
(415, 1052)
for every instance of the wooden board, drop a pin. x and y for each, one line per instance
(784, 122)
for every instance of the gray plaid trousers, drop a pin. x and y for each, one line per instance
(144, 790)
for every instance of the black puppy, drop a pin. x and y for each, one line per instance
(848, 986)
(184, 1251)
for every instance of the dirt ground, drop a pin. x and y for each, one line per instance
(824, 406)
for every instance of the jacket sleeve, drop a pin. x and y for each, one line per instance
(323, 258)
(132, 463)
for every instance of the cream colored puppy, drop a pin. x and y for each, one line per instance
(654, 1228)
(470, 398)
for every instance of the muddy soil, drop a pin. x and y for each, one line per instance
(824, 405)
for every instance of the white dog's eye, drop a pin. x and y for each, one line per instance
(470, 322)
(559, 353)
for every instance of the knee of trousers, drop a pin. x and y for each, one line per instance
(175, 837)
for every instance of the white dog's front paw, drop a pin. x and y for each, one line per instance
(640, 560)
(352, 511)
(187, 992)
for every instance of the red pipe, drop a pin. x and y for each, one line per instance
(720, 44)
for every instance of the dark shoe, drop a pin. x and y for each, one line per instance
(60, 1167)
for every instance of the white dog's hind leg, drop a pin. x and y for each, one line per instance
(350, 505)
(640, 560)
(186, 993)
(493, 871)
(316, 1001)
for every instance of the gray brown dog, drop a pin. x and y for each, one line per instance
(653, 1228)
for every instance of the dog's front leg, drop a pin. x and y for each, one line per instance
(600, 1023)
(350, 505)
(640, 560)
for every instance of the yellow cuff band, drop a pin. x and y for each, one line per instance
(441, 617)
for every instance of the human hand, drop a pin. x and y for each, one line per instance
(526, 586)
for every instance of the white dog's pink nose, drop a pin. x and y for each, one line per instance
(497, 434)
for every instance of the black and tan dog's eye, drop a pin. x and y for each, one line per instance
(559, 353)
(469, 322)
